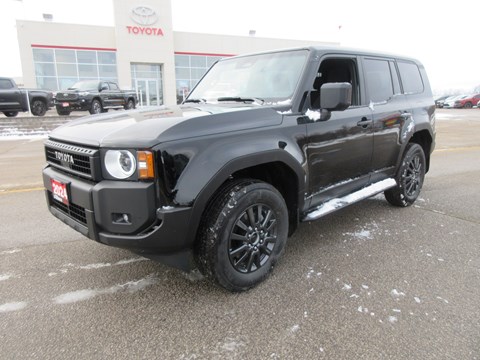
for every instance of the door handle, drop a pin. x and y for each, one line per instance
(365, 122)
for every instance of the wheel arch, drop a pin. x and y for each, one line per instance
(288, 179)
(425, 140)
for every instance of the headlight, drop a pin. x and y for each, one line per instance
(121, 164)
(83, 93)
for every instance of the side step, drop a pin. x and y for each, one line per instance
(335, 204)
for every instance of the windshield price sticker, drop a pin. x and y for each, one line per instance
(59, 191)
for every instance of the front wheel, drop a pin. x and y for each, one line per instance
(96, 107)
(242, 235)
(10, 113)
(468, 105)
(38, 107)
(409, 178)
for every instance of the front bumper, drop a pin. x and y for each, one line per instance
(80, 104)
(93, 210)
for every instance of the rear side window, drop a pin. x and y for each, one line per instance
(411, 78)
(379, 80)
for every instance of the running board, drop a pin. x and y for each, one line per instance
(335, 204)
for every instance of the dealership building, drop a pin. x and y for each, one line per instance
(141, 51)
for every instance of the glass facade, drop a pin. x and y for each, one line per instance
(147, 82)
(57, 69)
(189, 69)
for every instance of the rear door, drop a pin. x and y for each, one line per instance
(391, 114)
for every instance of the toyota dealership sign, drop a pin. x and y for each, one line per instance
(144, 17)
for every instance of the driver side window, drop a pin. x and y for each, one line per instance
(336, 71)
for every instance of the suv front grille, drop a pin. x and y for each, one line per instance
(66, 96)
(73, 159)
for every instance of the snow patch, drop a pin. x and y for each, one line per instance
(396, 294)
(13, 251)
(417, 300)
(13, 306)
(313, 115)
(85, 294)
(295, 328)
(4, 277)
(392, 319)
(347, 287)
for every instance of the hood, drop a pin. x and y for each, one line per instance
(148, 127)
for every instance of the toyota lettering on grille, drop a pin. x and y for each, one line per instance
(64, 157)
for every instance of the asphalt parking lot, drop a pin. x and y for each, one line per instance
(370, 281)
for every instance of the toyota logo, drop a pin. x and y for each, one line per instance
(144, 15)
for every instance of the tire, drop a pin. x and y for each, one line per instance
(10, 113)
(129, 105)
(467, 105)
(63, 111)
(409, 178)
(242, 235)
(38, 107)
(96, 107)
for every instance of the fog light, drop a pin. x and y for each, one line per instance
(119, 218)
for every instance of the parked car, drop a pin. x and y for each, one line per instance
(450, 102)
(440, 100)
(262, 143)
(478, 105)
(14, 100)
(94, 96)
(467, 102)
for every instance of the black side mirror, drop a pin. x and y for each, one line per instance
(335, 96)
(103, 87)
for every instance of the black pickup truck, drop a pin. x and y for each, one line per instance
(94, 96)
(263, 143)
(14, 100)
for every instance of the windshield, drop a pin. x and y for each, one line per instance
(269, 77)
(85, 85)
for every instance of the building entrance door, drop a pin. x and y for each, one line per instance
(147, 92)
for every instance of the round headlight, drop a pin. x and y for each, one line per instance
(121, 164)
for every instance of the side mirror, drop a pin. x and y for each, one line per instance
(335, 96)
(103, 87)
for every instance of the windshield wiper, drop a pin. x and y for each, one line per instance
(241, 99)
(195, 101)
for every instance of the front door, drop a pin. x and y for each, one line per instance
(147, 92)
(340, 149)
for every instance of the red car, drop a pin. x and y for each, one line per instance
(467, 102)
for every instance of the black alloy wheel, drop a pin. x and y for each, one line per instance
(38, 107)
(96, 107)
(409, 178)
(253, 238)
(242, 235)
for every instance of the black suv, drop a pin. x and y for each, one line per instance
(94, 96)
(262, 143)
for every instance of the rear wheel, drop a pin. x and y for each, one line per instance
(38, 107)
(409, 178)
(243, 234)
(10, 113)
(96, 107)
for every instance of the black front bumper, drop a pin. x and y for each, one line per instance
(92, 207)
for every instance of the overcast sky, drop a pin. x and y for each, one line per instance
(443, 35)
